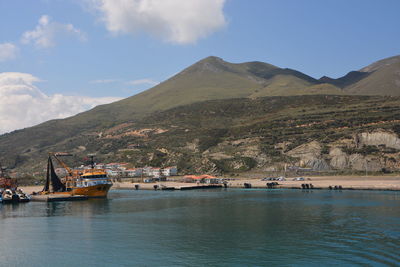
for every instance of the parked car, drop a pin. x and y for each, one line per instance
(298, 179)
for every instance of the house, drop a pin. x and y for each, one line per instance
(155, 172)
(147, 171)
(114, 172)
(134, 172)
(169, 171)
(116, 165)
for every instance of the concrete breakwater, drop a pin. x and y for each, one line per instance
(329, 183)
(321, 182)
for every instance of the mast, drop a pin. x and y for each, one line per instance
(91, 156)
(46, 187)
(53, 182)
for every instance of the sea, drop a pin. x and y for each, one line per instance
(221, 227)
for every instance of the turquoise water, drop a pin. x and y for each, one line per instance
(206, 228)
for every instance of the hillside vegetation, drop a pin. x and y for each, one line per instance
(218, 116)
(238, 135)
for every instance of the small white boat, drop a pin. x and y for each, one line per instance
(22, 196)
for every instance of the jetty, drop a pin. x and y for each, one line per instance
(192, 187)
(167, 186)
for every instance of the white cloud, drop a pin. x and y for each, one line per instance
(143, 82)
(104, 81)
(176, 21)
(22, 104)
(47, 31)
(8, 51)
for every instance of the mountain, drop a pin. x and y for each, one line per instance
(350, 78)
(379, 78)
(210, 84)
(383, 79)
(214, 78)
(209, 79)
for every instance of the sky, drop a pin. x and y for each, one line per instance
(62, 57)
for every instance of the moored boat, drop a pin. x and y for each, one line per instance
(9, 191)
(9, 196)
(91, 183)
(22, 196)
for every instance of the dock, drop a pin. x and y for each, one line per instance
(193, 187)
(57, 197)
(168, 186)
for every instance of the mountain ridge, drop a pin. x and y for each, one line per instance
(210, 79)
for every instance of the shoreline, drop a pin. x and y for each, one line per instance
(383, 183)
(388, 183)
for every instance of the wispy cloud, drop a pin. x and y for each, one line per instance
(8, 51)
(149, 82)
(175, 21)
(23, 104)
(47, 31)
(104, 81)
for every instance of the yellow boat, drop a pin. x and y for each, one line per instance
(91, 183)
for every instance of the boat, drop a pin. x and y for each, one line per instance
(9, 191)
(91, 183)
(9, 196)
(22, 196)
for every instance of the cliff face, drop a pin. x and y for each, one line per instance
(373, 151)
(378, 138)
(367, 151)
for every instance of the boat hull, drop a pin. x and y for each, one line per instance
(10, 200)
(95, 191)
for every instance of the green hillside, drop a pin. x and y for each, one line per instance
(213, 78)
(208, 79)
(217, 135)
(210, 84)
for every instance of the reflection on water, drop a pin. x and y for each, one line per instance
(197, 228)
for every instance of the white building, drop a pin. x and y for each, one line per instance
(114, 172)
(134, 172)
(170, 171)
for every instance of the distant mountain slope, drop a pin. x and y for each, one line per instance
(213, 78)
(379, 78)
(383, 79)
(347, 80)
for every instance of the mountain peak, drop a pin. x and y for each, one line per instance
(211, 64)
(212, 59)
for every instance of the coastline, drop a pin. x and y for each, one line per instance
(319, 182)
(391, 183)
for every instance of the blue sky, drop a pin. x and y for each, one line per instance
(102, 48)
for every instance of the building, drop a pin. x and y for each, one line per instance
(134, 172)
(155, 172)
(169, 171)
(114, 172)
(116, 165)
